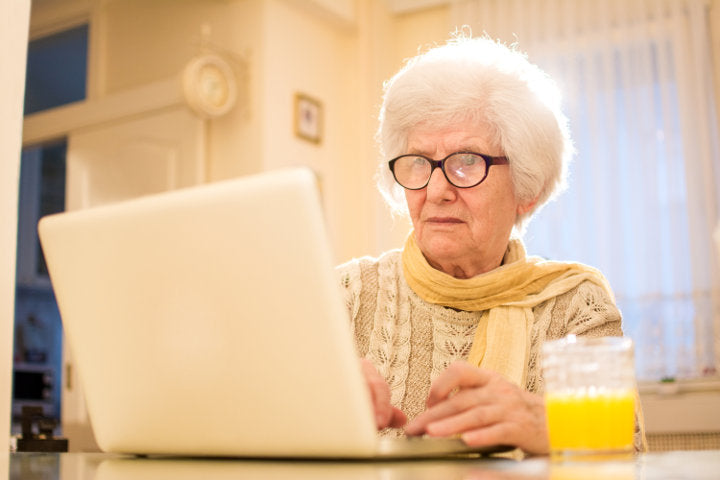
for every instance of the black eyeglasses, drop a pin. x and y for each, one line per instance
(461, 169)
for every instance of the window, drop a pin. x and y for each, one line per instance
(56, 70)
(643, 197)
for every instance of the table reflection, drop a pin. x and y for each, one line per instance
(180, 469)
(620, 470)
(654, 466)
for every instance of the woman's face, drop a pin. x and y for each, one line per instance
(461, 231)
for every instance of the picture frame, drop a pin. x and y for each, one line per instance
(308, 118)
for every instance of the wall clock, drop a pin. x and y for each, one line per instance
(209, 85)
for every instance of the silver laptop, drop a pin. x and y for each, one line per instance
(208, 322)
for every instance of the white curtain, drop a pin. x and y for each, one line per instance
(643, 198)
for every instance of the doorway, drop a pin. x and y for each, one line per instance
(56, 75)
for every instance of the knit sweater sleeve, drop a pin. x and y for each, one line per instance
(358, 282)
(587, 310)
(593, 313)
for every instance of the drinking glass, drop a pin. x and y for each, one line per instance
(590, 394)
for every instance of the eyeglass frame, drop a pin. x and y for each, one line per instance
(489, 162)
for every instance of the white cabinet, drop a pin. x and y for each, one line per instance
(139, 156)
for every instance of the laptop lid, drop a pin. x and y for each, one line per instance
(208, 321)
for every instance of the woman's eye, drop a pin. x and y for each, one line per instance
(468, 160)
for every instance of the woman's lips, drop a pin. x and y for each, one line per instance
(444, 220)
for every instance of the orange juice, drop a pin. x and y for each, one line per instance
(590, 421)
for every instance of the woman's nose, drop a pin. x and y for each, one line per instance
(438, 188)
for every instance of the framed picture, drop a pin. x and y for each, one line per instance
(308, 118)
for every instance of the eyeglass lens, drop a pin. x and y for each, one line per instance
(461, 169)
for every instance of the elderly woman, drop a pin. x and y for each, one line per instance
(450, 326)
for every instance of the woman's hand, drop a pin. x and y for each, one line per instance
(484, 409)
(386, 415)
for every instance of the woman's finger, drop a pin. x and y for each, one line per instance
(495, 434)
(523, 426)
(459, 375)
(460, 402)
(397, 418)
(467, 420)
(385, 414)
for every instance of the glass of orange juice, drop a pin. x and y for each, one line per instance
(590, 395)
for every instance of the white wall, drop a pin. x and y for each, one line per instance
(14, 20)
(314, 57)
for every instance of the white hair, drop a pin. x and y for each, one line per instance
(481, 81)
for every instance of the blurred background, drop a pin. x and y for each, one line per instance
(131, 97)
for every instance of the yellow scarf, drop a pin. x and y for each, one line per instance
(506, 294)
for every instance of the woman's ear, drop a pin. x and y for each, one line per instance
(526, 207)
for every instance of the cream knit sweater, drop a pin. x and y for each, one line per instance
(410, 341)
